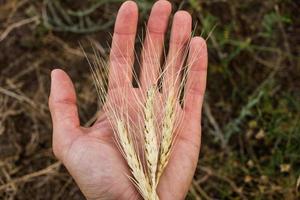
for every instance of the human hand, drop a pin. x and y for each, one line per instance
(91, 154)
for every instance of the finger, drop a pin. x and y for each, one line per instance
(122, 49)
(180, 34)
(62, 100)
(196, 78)
(62, 104)
(153, 46)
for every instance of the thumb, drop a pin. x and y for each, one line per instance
(63, 108)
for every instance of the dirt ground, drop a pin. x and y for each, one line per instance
(251, 117)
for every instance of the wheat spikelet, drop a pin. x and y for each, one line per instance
(150, 137)
(131, 157)
(167, 133)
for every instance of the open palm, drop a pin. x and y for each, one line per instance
(91, 154)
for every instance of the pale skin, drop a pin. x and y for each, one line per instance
(90, 154)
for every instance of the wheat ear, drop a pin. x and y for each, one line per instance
(140, 178)
(150, 137)
(167, 133)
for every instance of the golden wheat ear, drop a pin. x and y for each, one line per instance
(157, 132)
(122, 126)
(133, 161)
(150, 137)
